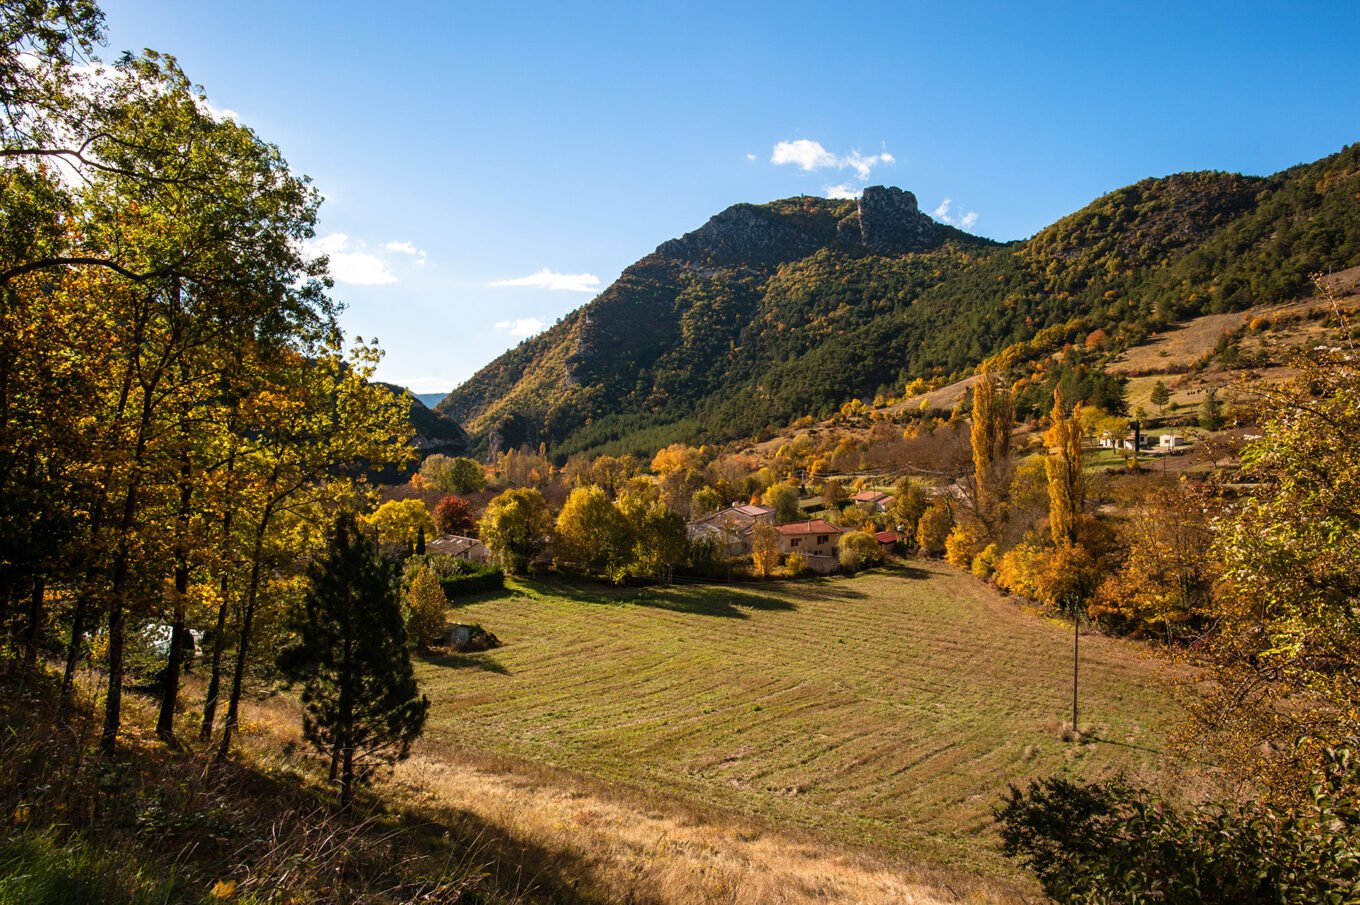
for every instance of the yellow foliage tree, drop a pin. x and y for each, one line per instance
(933, 527)
(765, 553)
(1066, 487)
(993, 419)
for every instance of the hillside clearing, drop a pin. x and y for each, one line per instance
(887, 711)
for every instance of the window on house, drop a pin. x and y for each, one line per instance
(821, 539)
(794, 542)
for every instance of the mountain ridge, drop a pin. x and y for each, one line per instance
(767, 312)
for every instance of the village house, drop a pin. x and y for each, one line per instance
(469, 548)
(887, 541)
(873, 500)
(731, 528)
(1171, 441)
(813, 540)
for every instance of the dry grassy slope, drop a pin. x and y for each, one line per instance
(887, 710)
(1169, 355)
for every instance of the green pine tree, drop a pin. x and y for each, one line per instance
(359, 694)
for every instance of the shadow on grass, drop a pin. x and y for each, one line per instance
(481, 661)
(162, 826)
(736, 600)
(906, 570)
(1092, 738)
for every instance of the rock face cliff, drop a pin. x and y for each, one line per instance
(885, 220)
(891, 223)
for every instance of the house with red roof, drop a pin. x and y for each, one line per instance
(814, 540)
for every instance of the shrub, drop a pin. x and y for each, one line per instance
(984, 564)
(963, 544)
(472, 578)
(1018, 571)
(1108, 842)
(796, 564)
(858, 550)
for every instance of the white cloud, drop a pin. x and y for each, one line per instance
(220, 113)
(844, 190)
(524, 326)
(750, 157)
(349, 262)
(945, 214)
(551, 279)
(810, 155)
(406, 248)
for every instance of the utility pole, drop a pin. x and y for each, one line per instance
(1076, 645)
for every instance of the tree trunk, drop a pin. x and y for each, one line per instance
(215, 676)
(68, 677)
(347, 779)
(108, 740)
(220, 633)
(242, 647)
(35, 619)
(165, 723)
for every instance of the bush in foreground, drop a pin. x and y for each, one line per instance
(1109, 842)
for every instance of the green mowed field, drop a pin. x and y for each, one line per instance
(888, 709)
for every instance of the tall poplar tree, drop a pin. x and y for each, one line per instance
(993, 420)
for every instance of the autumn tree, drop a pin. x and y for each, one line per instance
(783, 499)
(452, 474)
(909, 502)
(425, 605)
(1163, 587)
(1286, 646)
(993, 420)
(765, 549)
(360, 701)
(592, 536)
(1066, 486)
(932, 529)
(397, 522)
(453, 515)
(706, 501)
(834, 492)
(858, 550)
(660, 541)
(312, 419)
(516, 527)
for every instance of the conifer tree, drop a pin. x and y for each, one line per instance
(360, 700)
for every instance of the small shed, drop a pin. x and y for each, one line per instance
(887, 540)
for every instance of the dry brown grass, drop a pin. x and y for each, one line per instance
(612, 848)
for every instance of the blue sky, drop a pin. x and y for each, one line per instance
(546, 146)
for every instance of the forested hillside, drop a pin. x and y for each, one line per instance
(769, 312)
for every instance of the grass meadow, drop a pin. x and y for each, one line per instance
(883, 714)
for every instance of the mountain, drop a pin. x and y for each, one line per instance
(772, 311)
(435, 432)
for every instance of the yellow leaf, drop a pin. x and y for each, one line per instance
(223, 889)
